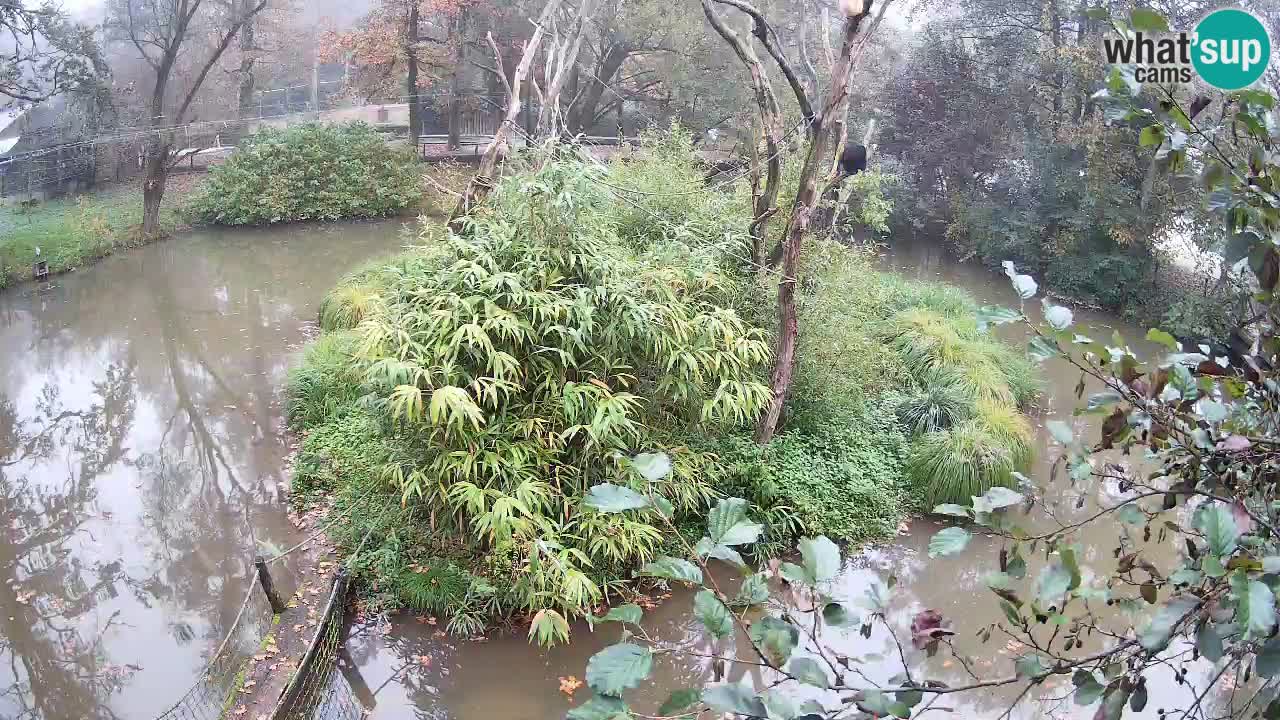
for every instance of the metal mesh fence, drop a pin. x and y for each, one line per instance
(318, 688)
(214, 691)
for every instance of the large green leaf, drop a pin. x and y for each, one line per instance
(671, 568)
(609, 498)
(1060, 431)
(652, 466)
(1155, 636)
(808, 671)
(775, 638)
(821, 558)
(738, 698)
(1209, 642)
(1219, 527)
(713, 614)
(618, 668)
(881, 705)
(1255, 606)
(1267, 660)
(989, 315)
(707, 548)
(949, 541)
(837, 615)
(1040, 349)
(629, 614)
(727, 523)
(1000, 497)
(600, 707)
(1052, 585)
(1030, 666)
(1088, 689)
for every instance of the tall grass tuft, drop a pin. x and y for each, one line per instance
(957, 464)
(934, 408)
(346, 306)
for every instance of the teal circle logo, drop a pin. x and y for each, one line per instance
(1231, 49)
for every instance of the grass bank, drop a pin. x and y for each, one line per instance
(74, 231)
(466, 397)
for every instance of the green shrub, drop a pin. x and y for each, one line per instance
(664, 196)
(511, 368)
(1115, 280)
(324, 384)
(843, 481)
(309, 172)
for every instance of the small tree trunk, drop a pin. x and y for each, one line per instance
(550, 121)
(455, 80)
(807, 195)
(153, 185)
(411, 60)
(247, 60)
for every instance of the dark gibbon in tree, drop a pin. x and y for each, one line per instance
(853, 160)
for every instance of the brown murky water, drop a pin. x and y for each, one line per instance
(504, 677)
(141, 458)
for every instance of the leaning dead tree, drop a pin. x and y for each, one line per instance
(563, 57)
(819, 117)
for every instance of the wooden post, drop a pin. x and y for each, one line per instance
(268, 586)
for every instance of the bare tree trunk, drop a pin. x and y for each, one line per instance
(587, 108)
(550, 121)
(153, 185)
(455, 79)
(806, 196)
(482, 182)
(765, 202)
(247, 80)
(411, 60)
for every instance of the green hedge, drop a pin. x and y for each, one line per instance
(309, 172)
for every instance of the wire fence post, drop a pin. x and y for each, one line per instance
(268, 585)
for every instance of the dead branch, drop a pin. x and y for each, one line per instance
(482, 182)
